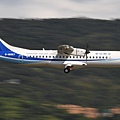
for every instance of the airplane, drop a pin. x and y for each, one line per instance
(66, 57)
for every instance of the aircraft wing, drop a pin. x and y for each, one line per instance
(70, 50)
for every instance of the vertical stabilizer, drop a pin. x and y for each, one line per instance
(4, 46)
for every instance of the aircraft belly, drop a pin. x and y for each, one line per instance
(109, 63)
(56, 63)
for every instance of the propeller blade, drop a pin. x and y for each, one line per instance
(87, 51)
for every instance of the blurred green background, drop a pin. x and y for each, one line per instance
(38, 89)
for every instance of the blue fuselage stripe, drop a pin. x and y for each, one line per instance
(15, 57)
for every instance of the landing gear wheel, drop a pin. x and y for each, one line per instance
(66, 70)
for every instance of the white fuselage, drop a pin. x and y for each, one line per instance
(66, 57)
(94, 58)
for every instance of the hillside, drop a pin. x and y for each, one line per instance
(41, 86)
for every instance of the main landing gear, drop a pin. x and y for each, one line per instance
(67, 69)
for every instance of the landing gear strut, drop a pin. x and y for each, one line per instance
(67, 69)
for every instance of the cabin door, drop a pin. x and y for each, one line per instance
(20, 58)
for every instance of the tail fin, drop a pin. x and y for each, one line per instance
(4, 46)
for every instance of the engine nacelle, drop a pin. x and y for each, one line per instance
(78, 52)
(70, 50)
(65, 49)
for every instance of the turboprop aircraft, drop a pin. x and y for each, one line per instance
(66, 57)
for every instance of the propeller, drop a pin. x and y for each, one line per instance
(87, 51)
